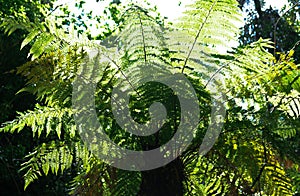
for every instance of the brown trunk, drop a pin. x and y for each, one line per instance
(164, 181)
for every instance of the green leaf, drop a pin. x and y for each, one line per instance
(30, 37)
(58, 129)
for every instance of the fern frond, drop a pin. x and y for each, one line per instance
(142, 39)
(53, 156)
(45, 37)
(126, 183)
(43, 120)
(206, 28)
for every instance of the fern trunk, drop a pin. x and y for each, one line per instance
(164, 181)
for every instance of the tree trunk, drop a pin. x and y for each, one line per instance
(164, 181)
(258, 8)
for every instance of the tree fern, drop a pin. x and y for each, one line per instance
(263, 102)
